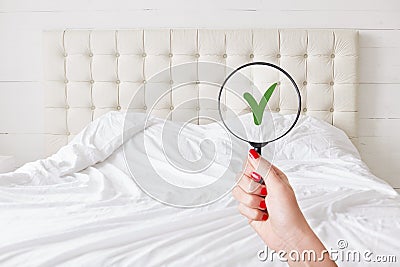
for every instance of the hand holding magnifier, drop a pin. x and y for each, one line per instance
(257, 108)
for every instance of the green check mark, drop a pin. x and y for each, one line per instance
(258, 109)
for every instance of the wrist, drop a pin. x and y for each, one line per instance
(303, 237)
(309, 242)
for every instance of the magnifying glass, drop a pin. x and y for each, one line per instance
(257, 87)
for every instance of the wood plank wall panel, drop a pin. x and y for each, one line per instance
(21, 23)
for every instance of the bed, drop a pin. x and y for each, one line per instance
(81, 207)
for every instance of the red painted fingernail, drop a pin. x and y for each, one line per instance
(254, 154)
(263, 191)
(262, 204)
(256, 177)
(265, 217)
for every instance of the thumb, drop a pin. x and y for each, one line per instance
(263, 167)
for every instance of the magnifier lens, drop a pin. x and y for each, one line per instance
(250, 102)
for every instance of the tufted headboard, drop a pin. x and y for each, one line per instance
(90, 72)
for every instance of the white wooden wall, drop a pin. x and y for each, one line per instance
(21, 23)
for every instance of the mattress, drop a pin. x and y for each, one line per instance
(82, 207)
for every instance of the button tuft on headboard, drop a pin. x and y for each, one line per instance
(102, 72)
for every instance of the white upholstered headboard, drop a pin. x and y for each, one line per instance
(90, 72)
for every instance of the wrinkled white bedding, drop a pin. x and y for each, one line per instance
(80, 207)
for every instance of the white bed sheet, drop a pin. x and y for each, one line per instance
(80, 207)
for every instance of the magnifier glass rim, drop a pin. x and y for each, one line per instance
(261, 144)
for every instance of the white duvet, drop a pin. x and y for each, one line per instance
(80, 207)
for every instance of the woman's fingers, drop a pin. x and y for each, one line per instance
(249, 191)
(252, 214)
(258, 164)
(248, 168)
(251, 185)
(250, 200)
(264, 168)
